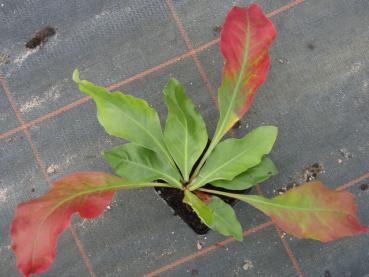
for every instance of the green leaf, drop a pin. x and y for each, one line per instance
(185, 132)
(139, 164)
(126, 116)
(217, 215)
(250, 177)
(234, 156)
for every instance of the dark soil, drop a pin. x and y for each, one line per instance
(40, 37)
(216, 30)
(310, 173)
(364, 186)
(236, 125)
(174, 198)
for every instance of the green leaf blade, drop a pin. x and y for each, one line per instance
(126, 116)
(217, 215)
(185, 131)
(234, 156)
(139, 164)
(250, 177)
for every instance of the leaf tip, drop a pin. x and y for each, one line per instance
(75, 76)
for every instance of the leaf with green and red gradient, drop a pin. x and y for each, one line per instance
(38, 223)
(311, 211)
(245, 38)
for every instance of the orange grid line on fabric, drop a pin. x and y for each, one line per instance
(191, 53)
(211, 90)
(41, 165)
(135, 77)
(285, 244)
(250, 231)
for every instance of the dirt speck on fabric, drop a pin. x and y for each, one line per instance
(194, 272)
(345, 153)
(51, 95)
(216, 30)
(199, 245)
(41, 37)
(4, 59)
(310, 173)
(3, 194)
(364, 187)
(247, 265)
(52, 168)
(310, 46)
(327, 273)
(237, 125)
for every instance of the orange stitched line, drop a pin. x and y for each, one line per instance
(285, 8)
(42, 167)
(285, 244)
(290, 254)
(137, 77)
(208, 249)
(113, 86)
(353, 182)
(227, 241)
(189, 45)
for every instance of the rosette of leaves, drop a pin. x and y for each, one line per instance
(309, 211)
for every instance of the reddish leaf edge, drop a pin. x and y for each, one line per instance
(352, 221)
(26, 230)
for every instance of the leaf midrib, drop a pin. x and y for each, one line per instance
(175, 181)
(205, 177)
(138, 124)
(102, 188)
(184, 123)
(236, 88)
(288, 207)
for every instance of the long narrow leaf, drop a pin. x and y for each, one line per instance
(185, 131)
(310, 211)
(126, 116)
(38, 223)
(250, 177)
(245, 38)
(136, 163)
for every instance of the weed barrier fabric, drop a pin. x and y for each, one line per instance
(317, 93)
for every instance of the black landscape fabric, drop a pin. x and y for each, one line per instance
(317, 93)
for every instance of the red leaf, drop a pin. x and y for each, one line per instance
(245, 38)
(313, 211)
(310, 211)
(38, 223)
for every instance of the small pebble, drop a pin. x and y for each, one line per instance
(199, 245)
(247, 265)
(51, 169)
(345, 153)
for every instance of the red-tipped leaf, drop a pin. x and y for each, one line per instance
(311, 211)
(314, 211)
(38, 223)
(245, 38)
